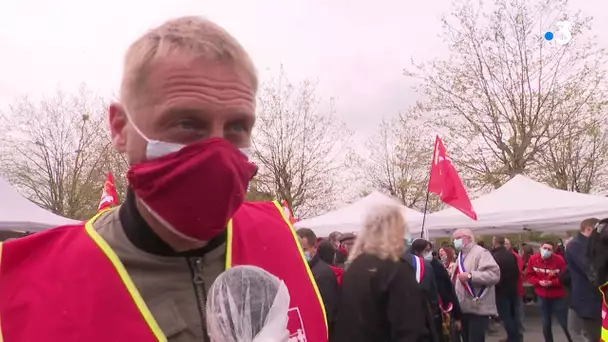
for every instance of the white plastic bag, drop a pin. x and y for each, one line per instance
(247, 304)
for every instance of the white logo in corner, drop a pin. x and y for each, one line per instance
(295, 325)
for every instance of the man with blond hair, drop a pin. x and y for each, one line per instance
(141, 272)
(477, 274)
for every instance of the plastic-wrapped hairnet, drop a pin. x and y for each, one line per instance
(247, 304)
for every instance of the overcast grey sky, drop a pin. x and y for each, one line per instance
(357, 50)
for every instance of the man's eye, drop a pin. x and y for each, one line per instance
(237, 127)
(186, 124)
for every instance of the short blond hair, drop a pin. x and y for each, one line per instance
(192, 36)
(382, 235)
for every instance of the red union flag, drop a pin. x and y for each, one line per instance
(109, 197)
(445, 182)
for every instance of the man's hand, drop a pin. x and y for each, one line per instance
(464, 276)
(458, 325)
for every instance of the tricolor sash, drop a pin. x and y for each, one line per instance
(445, 308)
(418, 264)
(468, 285)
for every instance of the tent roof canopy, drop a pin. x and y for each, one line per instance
(350, 217)
(18, 213)
(522, 204)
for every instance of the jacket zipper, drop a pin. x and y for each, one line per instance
(196, 268)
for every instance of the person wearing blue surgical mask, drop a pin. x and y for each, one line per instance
(326, 280)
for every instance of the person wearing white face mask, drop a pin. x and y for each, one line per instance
(477, 273)
(141, 272)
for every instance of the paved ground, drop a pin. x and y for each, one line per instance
(533, 329)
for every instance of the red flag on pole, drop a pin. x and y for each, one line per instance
(445, 182)
(288, 212)
(109, 197)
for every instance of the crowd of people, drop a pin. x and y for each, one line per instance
(465, 286)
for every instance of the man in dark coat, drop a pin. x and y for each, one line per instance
(448, 299)
(327, 283)
(426, 278)
(584, 298)
(506, 289)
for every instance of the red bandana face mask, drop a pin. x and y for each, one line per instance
(195, 190)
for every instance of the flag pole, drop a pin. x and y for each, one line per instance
(426, 203)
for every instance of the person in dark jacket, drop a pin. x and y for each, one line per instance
(326, 280)
(575, 324)
(597, 254)
(452, 314)
(585, 300)
(327, 252)
(381, 300)
(506, 289)
(422, 250)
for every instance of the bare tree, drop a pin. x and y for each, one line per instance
(57, 151)
(506, 93)
(255, 195)
(298, 144)
(577, 159)
(400, 155)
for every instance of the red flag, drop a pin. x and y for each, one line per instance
(288, 212)
(109, 197)
(445, 182)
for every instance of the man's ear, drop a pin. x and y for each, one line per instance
(117, 119)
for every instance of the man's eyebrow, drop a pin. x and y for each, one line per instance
(245, 118)
(184, 111)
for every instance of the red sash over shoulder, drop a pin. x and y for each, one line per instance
(258, 236)
(66, 284)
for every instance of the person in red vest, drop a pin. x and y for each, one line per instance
(543, 273)
(141, 272)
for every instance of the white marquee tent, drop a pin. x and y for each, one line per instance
(18, 213)
(521, 205)
(350, 218)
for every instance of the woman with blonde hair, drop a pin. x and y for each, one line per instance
(381, 300)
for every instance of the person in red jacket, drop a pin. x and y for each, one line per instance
(542, 272)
